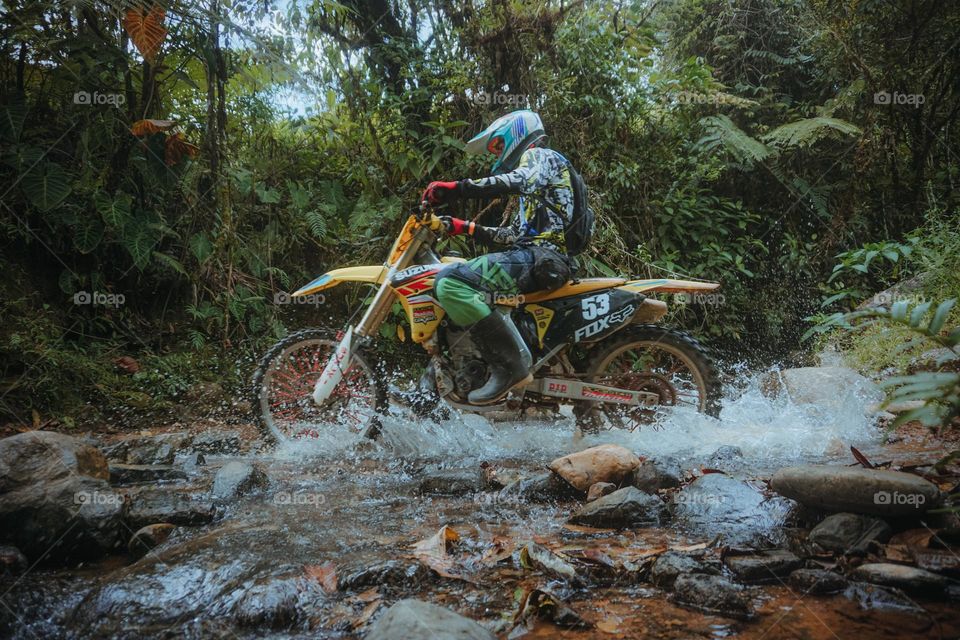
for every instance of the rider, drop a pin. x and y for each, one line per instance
(534, 254)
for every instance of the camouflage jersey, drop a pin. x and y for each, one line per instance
(541, 175)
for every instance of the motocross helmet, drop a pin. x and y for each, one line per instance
(508, 137)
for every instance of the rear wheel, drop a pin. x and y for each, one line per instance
(283, 390)
(669, 363)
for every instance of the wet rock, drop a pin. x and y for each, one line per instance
(627, 507)
(545, 487)
(871, 597)
(415, 619)
(274, 603)
(217, 441)
(909, 579)
(600, 489)
(817, 581)
(55, 501)
(605, 463)
(148, 537)
(43, 456)
(716, 505)
(451, 482)
(764, 567)
(12, 561)
(653, 475)
(175, 507)
(154, 449)
(236, 479)
(830, 389)
(712, 594)
(666, 568)
(392, 573)
(856, 490)
(849, 533)
(725, 458)
(123, 474)
(203, 578)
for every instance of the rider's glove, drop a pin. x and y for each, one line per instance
(495, 235)
(441, 192)
(456, 226)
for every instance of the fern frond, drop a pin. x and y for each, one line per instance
(721, 132)
(802, 133)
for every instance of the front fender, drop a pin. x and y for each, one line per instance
(374, 274)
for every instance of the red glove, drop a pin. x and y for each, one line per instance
(456, 226)
(441, 192)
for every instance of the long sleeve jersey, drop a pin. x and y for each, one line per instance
(541, 175)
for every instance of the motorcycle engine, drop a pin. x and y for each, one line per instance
(470, 371)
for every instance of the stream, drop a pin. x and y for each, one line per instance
(339, 504)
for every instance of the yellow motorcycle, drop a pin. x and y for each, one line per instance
(594, 343)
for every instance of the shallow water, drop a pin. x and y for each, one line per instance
(339, 499)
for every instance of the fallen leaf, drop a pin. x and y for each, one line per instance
(371, 594)
(366, 614)
(534, 556)
(913, 537)
(862, 459)
(609, 625)
(434, 552)
(325, 574)
(501, 549)
(576, 528)
(544, 605)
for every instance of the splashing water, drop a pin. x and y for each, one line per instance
(769, 431)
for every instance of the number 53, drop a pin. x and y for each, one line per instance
(595, 306)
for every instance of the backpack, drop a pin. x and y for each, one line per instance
(578, 234)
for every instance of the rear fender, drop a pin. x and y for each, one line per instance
(665, 285)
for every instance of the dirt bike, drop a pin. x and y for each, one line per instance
(594, 343)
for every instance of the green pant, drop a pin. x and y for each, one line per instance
(467, 290)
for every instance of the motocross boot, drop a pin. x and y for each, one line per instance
(506, 355)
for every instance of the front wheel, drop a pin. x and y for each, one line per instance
(283, 390)
(669, 363)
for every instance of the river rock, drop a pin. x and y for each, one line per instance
(600, 489)
(652, 475)
(867, 491)
(627, 507)
(217, 441)
(148, 537)
(124, 474)
(764, 567)
(153, 449)
(152, 505)
(712, 594)
(390, 573)
(604, 463)
(237, 478)
(666, 568)
(12, 560)
(718, 505)
(44, 456)
(726, 458)
(417, 620)
(909, 579)
(871, 597)
(451, 482)
(830, 389)
(273, 603)
(849, 533)
(817, 581)
(544, 487)
(55, 501)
